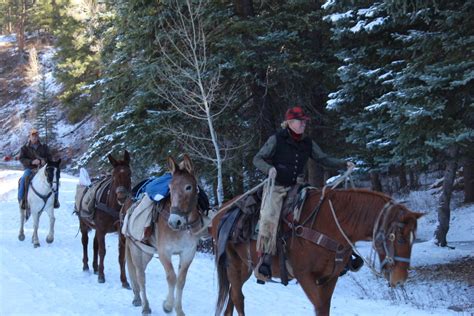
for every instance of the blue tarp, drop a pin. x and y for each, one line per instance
(156, 188)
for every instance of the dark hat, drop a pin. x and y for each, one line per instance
(295, 113)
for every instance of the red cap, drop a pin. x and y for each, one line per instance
(295, 113)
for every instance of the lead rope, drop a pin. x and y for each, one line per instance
(350, 243)
(255, 188)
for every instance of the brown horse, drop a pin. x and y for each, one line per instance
(317, 250)
(174, 234)
(106, 219)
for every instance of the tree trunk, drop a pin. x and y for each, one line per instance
(468, 174)
(20, 34)
(413, 179)
(444, 211)
(375, 180)
(402, 176)
(244, 8)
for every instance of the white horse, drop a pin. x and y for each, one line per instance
(40, 198)
(174, 235)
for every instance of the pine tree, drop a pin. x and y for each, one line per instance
(46, 119)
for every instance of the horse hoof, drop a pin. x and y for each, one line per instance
(125, 285)
(85, 268)
(146, 311)
(21, 237)
(36, 245)
(137, 302)
(49, 240)
(167, 308)
(101, 279)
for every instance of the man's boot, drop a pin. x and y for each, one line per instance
(356, 262)
(26, 184)
(147, 235)
(263, 270)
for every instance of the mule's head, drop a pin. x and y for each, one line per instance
(121, 177)
(393, 242)
(53, 173)
(183, 192)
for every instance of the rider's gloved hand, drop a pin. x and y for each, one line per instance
(350, 165)
(272, 173)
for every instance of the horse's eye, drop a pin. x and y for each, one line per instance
(188, 187)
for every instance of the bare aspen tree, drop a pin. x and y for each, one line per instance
(188, 80)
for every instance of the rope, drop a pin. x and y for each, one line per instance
(342, 178)
(255, 188)
(350, 243)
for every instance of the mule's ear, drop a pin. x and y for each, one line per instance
(188, 164)
(126, 157)
(112, 160)
(172, 164)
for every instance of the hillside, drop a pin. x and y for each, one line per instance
(19, 100)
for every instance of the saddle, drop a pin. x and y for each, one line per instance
(239, 225)
(246, 223)
(88, 198)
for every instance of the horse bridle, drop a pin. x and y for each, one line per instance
(192, 206)
(46, 197)
(384, 237)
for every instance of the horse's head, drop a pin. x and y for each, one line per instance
(183, 192)
(394, 235)
(121, 177)
(52, 173)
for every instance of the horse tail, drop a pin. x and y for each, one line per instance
(130, 264)
(224, 285)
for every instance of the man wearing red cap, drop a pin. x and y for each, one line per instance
(33, 155)
(283, 157)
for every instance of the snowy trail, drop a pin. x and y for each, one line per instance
(49, 280)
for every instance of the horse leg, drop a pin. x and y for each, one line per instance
(21, 235)
(85, 242)
(229, 309)
(121, 247)
(101, 243)
(238, 272)
(141, 261)
(170, 278)
(319, 295)
(132, 272)
(52, 219)
(184, 263)
(95, 254)
(34, 238)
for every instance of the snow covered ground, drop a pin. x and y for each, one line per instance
(49, 280)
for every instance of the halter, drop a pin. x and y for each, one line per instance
(52, 190)
(381, 240)
(384, 237)
(198, 222)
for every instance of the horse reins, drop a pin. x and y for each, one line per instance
(44, 197)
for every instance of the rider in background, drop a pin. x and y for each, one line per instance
(283, 158)
(33, 155)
